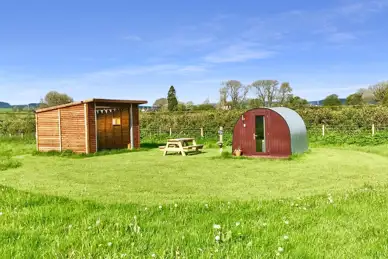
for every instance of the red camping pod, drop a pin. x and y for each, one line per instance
(270, 132)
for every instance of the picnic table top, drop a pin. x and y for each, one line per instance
(180, 139)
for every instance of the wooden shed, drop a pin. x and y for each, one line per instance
(270, 132)
(89, 126)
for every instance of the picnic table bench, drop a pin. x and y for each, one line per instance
(181, 145)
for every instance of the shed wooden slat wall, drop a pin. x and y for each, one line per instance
(73, 128)
(48, 131)
(136, 126)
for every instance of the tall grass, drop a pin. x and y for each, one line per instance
(347, 225)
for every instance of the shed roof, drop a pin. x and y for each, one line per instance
(94, 100)
(298, 131)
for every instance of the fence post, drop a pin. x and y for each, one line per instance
(202, 132)
(373, 129)
(170, 132)
(323, 129)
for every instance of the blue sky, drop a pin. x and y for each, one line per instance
(136, 50)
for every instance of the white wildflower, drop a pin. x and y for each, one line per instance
(304, 208)
(160, 207)
(176, 205)
(110, 244)
(123, 255)
(215, 226)
(98, 222)
(134, 217)
(280, 249)
(277, 254)
(1, 213)
(237, 224)
(264, 224)
(206, 205)
(218, 238)
(285, 237)
(145, 208)
(286, 222)
(70, 226)
(153, 255)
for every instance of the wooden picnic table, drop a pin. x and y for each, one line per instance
(181, 145)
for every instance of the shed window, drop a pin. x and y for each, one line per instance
(116, 121)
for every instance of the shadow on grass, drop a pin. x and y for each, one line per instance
(229, 155)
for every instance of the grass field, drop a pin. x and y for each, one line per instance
(329, 203)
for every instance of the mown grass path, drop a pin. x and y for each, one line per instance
(149, 178)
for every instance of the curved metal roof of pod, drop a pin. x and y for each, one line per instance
(298, 131)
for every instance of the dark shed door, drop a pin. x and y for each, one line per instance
(257, 125)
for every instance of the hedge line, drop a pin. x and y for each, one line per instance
(337, 117)
(344, 117)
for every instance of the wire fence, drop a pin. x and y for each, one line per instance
(315, 130)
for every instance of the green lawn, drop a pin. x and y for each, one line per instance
(149, 178)
(57, 207)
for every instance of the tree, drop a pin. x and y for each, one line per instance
(355, 99)
(266, 90)
(189, 106)
(253, 103)
(235, 90)
(172, 100)
(161, 102)
(181, 107)
(54, 98)
(379, 91)
(223, 97)
(332, 100)
(296, 102)
(285, 93)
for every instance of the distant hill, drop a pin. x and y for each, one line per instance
(31, 106)
(5, 105)
(320, 102)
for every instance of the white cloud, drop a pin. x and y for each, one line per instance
(238, 53)
(339, 37)
(132, 38)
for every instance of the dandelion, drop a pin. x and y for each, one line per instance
(176, 205)
(286, 222)
(280, 249)
(218, 238)
(285, 237)
(98, 222)
(153, 255)
(160, 207)
(1, 213)
(237, 224)
(110, 244)
(215, 226)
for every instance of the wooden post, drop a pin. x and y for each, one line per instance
(95, 126)
(131, 127)
(170, 132)
(323, 129)
(86, 117)
(221, 137)
(202, 132)
(373, 129)
(60, 130)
